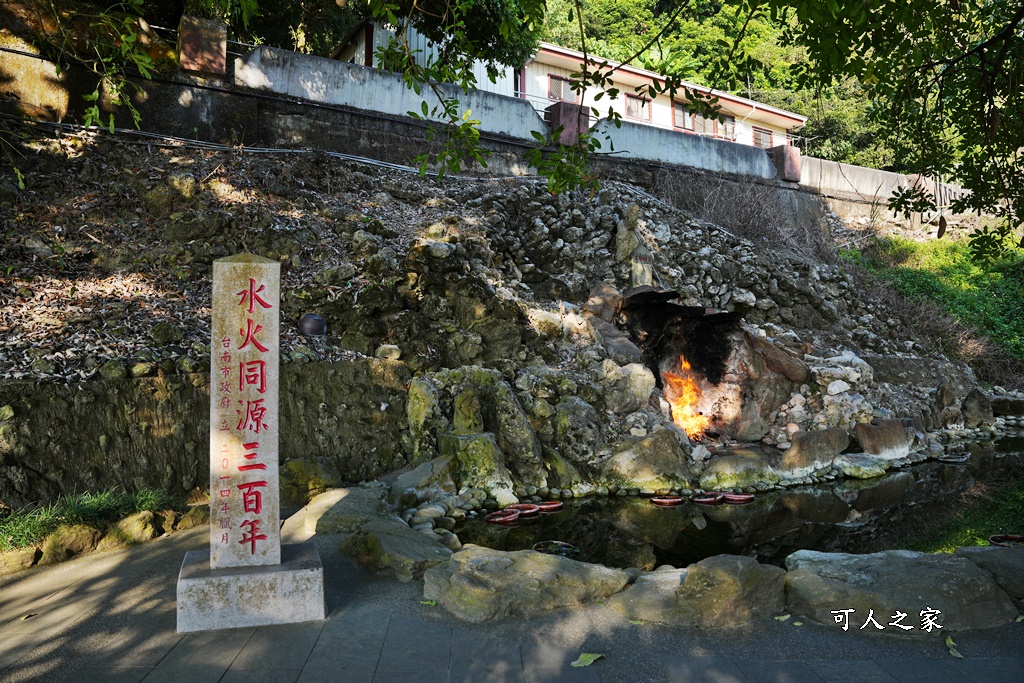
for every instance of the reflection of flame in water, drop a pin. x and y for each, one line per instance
(682, 393)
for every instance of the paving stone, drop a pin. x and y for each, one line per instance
(109, 674)
(845, 670)
(919, 670)
(479, 658)
(703, 669)
(279, 647)
(349, 646)
(415, 649)
(261, 676)
(996, 670)
(545, 663)
(760, 671)
(141, 649)
(201, 657)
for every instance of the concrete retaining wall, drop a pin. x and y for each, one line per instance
(640, 142)
(856, 190)
(333, 82)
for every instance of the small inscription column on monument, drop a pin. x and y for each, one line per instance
(244, 354)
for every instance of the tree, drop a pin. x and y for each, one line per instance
(945, 78)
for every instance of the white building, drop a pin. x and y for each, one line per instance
(546, 79)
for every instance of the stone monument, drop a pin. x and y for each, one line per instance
(247, 578)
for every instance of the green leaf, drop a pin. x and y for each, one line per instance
(586, 659)
(952, 648)
(783, 617)
(798, 623)
(1019, 619)
(637, 622)
(429, 603)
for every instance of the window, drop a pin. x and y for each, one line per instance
(560, 89)
(638, 107)
(762, 137)
(694, 123)
(727, 128)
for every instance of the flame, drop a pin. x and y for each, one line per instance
(683, 394)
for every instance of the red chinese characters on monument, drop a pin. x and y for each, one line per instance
(252, 412)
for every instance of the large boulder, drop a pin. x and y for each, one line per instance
(1008, 405)
(627, 388)
(886, 439)
(718, 592)
(480, 463)
(777, 360)
(67, 541)
(577, 431)
(516, 438)
(477, 584)
(619, 347)
(1006, 565)
(976, 408)
(814, 450)
(742, 468)
(895, 581)
(860, 466)
(17, 560)
(341, 511)
(650, 463)
(390, 545)
(138, 528)
(431, 480)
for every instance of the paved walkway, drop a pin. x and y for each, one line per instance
(111, 617)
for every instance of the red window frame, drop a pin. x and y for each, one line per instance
(755, 130)
(645, 105)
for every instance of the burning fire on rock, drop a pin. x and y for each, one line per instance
(682, 393)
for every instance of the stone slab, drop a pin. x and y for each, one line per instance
(245, 325)
(235, 597)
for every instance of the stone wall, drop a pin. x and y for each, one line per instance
(339, 421)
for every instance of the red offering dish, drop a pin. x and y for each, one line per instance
(505, 516)
(738, 498)
(667, 501)
(525, 509)
(550, 506)
(708, 498)
(1006, 540)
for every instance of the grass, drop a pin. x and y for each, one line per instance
(985, 303)
(28, 527)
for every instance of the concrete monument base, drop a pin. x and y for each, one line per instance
(236, 597)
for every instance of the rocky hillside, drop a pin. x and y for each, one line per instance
(475, 291)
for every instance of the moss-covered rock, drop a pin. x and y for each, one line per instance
(139, 528)
(480, 463)
(724, 591)
(68, 541)
(425, 419)
(18, 560)
(390, 545)
(740, 469)
(304, 478)
(860, 466)
(430, 481)
(477, 584)
(649, 463)
(197, 515)
(578, 434)
(166, 333)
